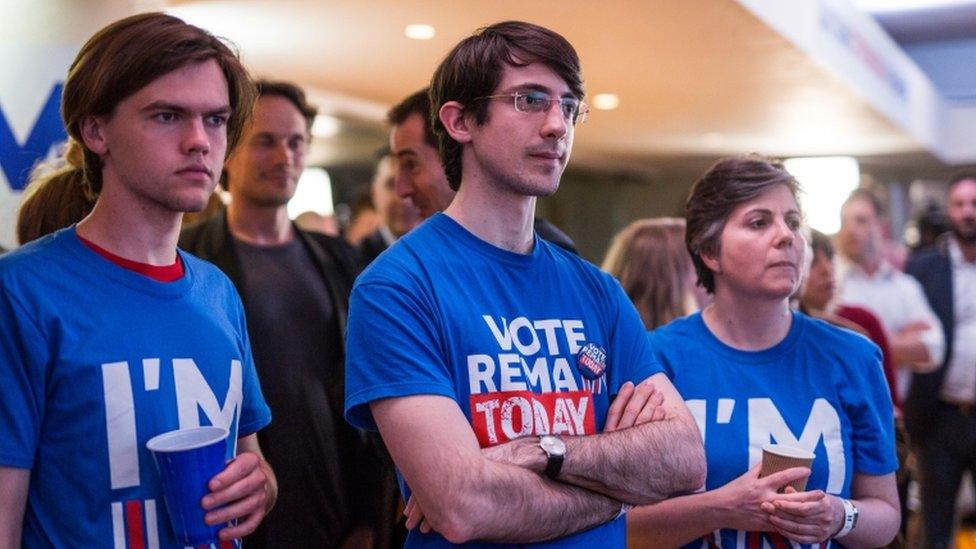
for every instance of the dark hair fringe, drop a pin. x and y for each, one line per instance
(821, 244)
(864, 193)
(293, 93)
(959, 177)
(416, 103)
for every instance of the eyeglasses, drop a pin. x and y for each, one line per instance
(574, 110)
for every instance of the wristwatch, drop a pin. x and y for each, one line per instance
(850, 518)
(555, 450)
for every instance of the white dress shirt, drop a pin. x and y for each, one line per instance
(959, 384)
(898, 301)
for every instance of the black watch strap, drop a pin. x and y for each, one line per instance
(553, 465)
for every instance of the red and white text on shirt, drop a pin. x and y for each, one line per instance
(503, 416)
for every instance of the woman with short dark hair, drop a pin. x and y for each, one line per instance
(753, 372)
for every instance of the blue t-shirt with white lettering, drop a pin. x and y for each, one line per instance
(525, 344)
(96, 360)
(821, 388)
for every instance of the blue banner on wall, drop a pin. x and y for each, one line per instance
(17, 159)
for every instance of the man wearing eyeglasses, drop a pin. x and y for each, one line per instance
(488, 358)
(420, 177)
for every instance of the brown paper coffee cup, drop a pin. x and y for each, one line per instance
(779, 457)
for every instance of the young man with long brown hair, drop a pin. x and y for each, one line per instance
(110, 335)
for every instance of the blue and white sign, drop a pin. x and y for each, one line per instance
(17, 158)
(31, 80)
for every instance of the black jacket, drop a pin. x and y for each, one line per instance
(933, 269)
(551, 233)
(370, 479)
(372, 246)
(211, 240)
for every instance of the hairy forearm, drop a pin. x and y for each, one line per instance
(643, 464)
(463, 493)
(675, 522)
(507, 504)
(877, 524)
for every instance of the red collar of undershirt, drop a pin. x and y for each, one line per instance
(159, 273)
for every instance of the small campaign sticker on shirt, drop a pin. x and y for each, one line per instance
(591, 361)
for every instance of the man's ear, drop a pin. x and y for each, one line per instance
(455, 122)
(710, 259)
(93, 134)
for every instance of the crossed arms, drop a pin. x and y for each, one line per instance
(919, 343)
(498, 494)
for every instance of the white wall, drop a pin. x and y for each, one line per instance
(38, 41)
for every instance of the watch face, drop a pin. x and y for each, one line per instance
(554, 446)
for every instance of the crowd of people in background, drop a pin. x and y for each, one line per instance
(449, 370)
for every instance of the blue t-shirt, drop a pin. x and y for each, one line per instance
(96, 360)
(526, 344)
(821, 388)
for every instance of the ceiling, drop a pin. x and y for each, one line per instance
(695, 77)
(940, 36)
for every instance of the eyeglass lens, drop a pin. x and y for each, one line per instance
(537, 101)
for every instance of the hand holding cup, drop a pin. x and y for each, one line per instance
(187, 459)
(779, 457)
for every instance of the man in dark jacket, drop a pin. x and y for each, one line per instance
(940, 411)
(397, 215)
(295, 287)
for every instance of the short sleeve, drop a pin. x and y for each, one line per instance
(23, 367)
(392, 349)
(255, 413)
(869, 409)
(632, 357)
(659, 342)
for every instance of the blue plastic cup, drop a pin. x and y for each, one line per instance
(187, 459)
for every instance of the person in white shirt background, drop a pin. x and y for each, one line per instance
(866, 279)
